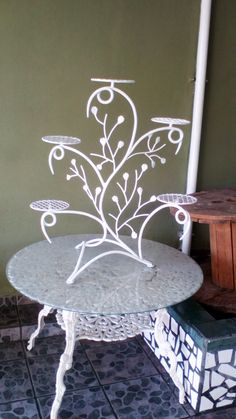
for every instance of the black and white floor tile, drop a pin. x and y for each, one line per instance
(147, 397)
(15, 381)
(9, 323)
(119, 361)
(121, 380)
(89, 403)
(23, 409)
(209, 377)
(43, 373)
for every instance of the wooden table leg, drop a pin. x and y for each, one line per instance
(223, 254)
(233, 228)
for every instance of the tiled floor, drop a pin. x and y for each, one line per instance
(108, 380)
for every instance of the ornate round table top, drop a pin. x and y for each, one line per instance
(114, 284)
(216, 205)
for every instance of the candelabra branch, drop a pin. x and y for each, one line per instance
(128, 203)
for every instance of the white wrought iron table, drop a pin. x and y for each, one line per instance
(111, 300)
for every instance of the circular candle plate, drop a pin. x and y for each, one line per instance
(174, 198)
(49, 205)
(61, 139)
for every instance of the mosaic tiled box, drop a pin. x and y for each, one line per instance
(206, 353)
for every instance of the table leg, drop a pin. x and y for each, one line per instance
(69, 319)
(167, 351)
(233, 228)
(43, 313)
(223, 242)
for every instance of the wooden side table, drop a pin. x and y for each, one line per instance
(218, 209)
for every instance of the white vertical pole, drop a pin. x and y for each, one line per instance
(201, 65)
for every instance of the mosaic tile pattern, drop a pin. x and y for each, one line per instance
(209, 375)
(151, 355)
(220, 414)
(219, 386)
(151, 396)
(189, 356)
(209, 378)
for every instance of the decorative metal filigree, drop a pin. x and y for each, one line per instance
(128, 205)
(108, 328)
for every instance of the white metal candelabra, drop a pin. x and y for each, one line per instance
(109, 168)
(129, 211)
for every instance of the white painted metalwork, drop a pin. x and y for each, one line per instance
(111, 302)
(61, 139)
(128, 204)
(43, 313)
(177, 198)
(104, 328)
(49, 205)
(66, 359)
(198, 105)
(108, 328)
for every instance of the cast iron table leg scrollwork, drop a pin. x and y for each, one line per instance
(106, 328)
(69, 319)
(43, 313)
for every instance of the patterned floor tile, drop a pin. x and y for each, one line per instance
(189, 409)
(120, 360)
(14, 381)
(21, 299)
(151, 355)
(43, 372)
(49, 329)
(168, 380)
(218, 414)
(28, 314)
(24, 409)
(92, 344)
(49, 346)
(83, 404)
(10, 334)
(145, 398)
(8, 301)
(8, 316)
(10, 351)
(46, 346)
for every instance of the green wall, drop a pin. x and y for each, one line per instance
(49, 51)
(217, 166)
